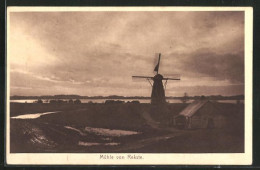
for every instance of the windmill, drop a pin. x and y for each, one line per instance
(158, 88)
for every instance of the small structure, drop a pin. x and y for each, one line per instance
(200, 114)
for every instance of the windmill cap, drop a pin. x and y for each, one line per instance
(158, 77)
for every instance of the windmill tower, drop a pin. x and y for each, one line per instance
(158, 88)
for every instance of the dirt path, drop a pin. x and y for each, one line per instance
(152, 123)
(149, 120)
(148, 141)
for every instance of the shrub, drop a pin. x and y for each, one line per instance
(77, 101)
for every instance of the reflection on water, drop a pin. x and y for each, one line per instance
(110, 132)
(37, 137)
(83, 100)
(32, 116)
(103, 132)
(107, 139)
(77, 130)
(230, 101)
(97, 144)
(112, 144)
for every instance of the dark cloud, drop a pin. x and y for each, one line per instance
(205, 62)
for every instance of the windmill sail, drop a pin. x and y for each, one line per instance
(146, 77)
(157, 66)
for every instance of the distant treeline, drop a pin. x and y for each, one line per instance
(212, 97)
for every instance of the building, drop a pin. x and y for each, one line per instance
(200, 114)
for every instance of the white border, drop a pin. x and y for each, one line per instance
(149, 159)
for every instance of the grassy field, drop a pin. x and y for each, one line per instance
(50, 133)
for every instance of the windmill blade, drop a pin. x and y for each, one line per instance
(158, 64)
(172, 75)
(176, 77)
(144, 77)
(171, 78)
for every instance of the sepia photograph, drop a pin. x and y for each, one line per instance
(129, 85)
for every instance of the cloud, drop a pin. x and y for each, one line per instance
(78, 51)
(207, 63)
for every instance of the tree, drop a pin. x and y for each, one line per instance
(53, 101)
(39, 101)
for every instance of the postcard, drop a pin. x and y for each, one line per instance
(129, 86)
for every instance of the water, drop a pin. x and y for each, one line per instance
(229, 101)
(32, 116)
(110, 132)
(107, 133)
(26, 101)
(97, 144)
(77, 130)
(103, 132)
(82, 100)
(125, 100)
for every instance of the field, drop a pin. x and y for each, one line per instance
(127, 128)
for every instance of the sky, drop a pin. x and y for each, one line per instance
(97, 53)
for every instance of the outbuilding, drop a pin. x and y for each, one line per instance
(201, 113)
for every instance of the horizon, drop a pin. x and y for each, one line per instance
(96, 53)
(120, 95)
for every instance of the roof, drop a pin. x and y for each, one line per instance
(191, 109)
